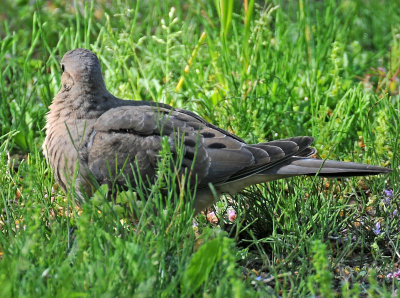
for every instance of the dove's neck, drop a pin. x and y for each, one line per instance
(82, 102)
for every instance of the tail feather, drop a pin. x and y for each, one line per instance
(325, 168)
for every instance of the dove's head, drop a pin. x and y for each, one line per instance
(81, 68)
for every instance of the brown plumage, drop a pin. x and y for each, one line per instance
(89, 127)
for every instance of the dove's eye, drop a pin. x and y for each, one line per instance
(62, 67)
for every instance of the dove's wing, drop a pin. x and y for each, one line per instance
(133, 134)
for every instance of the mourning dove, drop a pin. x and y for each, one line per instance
(89, 131)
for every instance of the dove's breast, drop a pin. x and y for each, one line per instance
(65, 145)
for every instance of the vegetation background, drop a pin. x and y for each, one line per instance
(263, 70)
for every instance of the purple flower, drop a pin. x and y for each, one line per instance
(231, 214)
(377, 229)
(394, 274)
(388, 192)
(388, 196)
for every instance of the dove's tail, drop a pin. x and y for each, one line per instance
(326, 168)
(292, 166)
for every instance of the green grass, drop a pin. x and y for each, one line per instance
(264, 71)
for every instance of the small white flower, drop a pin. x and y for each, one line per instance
(171, 12)
(45, 273)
